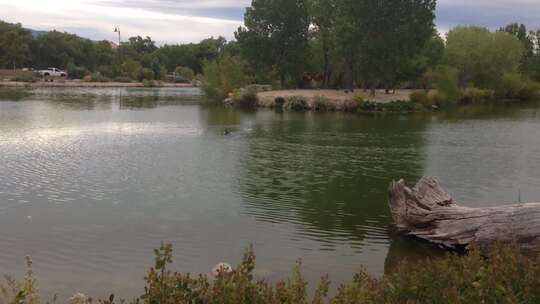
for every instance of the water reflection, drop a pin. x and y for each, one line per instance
(14, 94)
(330, 173)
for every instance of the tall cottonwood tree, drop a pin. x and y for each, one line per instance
(275, 37)
(323, 18)
(377, 36)
(483, 57)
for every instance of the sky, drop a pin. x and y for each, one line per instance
(182, 21)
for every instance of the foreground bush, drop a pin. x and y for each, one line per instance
(506, 276)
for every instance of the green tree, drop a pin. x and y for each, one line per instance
(482, 57)
(446, 83)
(178, 55)
(520, 31)
(323, 17)
(275, 37)
(56, 49)
(142, 45)
(376, 38)
(419, 68)
(14, 45)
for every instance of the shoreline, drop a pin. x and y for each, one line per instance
(337, 96)
(80, 84)
(333, 101)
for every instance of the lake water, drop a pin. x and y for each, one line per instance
(92, 180)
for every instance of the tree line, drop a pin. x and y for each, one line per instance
(370, 44)
(338, 44)
(136, 59)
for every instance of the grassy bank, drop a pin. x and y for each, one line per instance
(506, 276)
(399, 101)
(323, 101)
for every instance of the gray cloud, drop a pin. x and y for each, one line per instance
(171, 21)
(487, 13)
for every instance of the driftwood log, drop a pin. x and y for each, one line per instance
(428, 212)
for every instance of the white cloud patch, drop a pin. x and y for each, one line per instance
(97, 19)
(178, 21)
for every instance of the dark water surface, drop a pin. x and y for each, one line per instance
(92, 180)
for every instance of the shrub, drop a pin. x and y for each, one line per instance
(147, 74)
(352, 105)
(422, 98)
(24, 292)
(446, 83)
(96, 77)
(530, 90)
(475, 96)
(223, 76)
(323, 104)
(296, 103)
(110, 71)
(149, 83)
(185, 73)
(122, 79)
(131, 69)
(75, 72)
(279, 102)
(246, 98)
(516, 86)
(359, 99)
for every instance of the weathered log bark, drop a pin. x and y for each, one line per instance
(428, 212)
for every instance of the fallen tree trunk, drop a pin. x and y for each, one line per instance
(428, 212)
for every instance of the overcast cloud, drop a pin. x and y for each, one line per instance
(178, 21)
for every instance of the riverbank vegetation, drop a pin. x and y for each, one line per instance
(506, 276)
(136, 59)
(310, 44)
(350, 45)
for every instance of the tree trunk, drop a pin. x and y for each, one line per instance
(326, 77)
(350, 74)
(428, 212)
